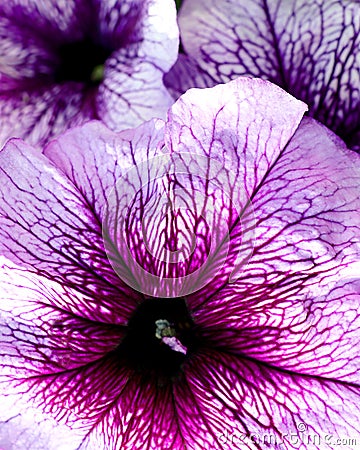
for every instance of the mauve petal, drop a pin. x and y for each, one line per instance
(138, 227)
(47, 226)
(50, 363)
(133, 89)
(307, 252)
(168, 220)
(161, 34)
(227, 394)
(31, 430)
(308, 48)
(38, 114)
(186, 74)
(95, 158)
(316, 336)
(101, 160)
(144, 418)
(31, 33)
(244, 124)
(119, 22)
(44, 337)
(103, 166)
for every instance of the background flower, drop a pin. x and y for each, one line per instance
(310, 49)
(63, 63)
(275, 347)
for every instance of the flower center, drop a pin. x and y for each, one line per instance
(82, 61)
(160, 336)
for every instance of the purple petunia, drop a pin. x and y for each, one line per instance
(186, 284)
(65, 62)
(309, 48)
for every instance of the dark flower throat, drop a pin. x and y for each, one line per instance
(160, 337)
(81, 61)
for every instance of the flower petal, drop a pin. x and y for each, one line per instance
(299, 278)
(131, 164)
(186, 74)
(169, 230)
(318, 336)
(133, 89)
(99, 157)
(47, 226)
(234, 402)
(47, 331)
(72, 398)
(143, 36)
(38, 114)
(29, 429)
(310, 49)
(244, 123)
(171, 214)
(47, 327)
(31, 33)
(51, 360)
(242, 126)
(23, 53)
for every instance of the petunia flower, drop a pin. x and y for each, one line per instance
(188, 284)
(309, 48)
(65, 62)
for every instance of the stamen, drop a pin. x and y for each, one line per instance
(164, 328)
(165, 331)
(174, 344)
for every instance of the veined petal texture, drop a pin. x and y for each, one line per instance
(310, 49)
